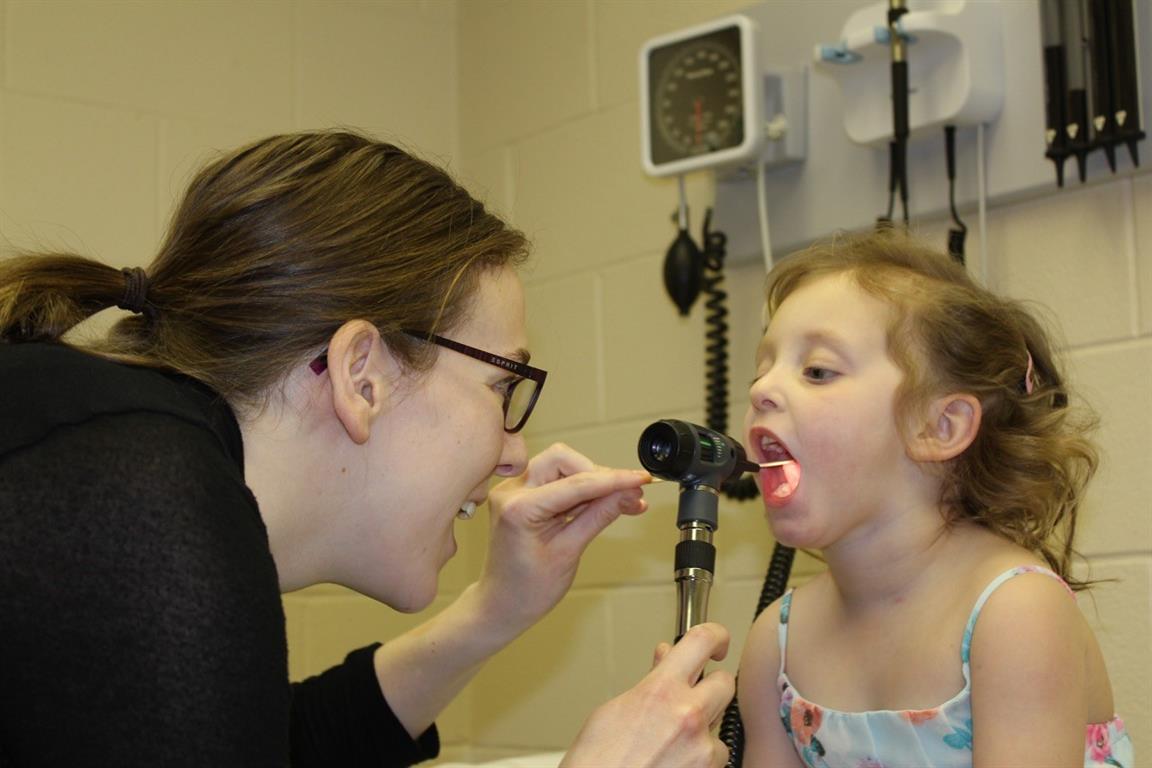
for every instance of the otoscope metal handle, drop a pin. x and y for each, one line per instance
(695, 564)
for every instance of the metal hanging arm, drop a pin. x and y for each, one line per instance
(900, 130)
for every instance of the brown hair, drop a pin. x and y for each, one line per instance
(1024, 475)
(273, 247)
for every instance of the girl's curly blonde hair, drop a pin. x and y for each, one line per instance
(1024, 474)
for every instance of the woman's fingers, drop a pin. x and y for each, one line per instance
(700, 644)
(686, 661)
(721, 754)
(555, 462)
(716, 689)
(564, 497)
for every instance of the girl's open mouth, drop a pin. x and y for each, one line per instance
(779, 483)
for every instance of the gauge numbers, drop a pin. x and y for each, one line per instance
(697, 97)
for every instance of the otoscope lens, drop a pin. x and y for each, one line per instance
(661, 450)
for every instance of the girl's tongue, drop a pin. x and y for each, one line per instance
(778, 484)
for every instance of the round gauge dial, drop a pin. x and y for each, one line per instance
(697, 96)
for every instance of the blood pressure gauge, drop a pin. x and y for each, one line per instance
(698, 97)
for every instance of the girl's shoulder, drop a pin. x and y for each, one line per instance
(1023, 599)
(765, 637)
(1024, 623)
(777, 612)
(762, 638)
(1033, 654)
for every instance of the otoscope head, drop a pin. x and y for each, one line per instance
(692, 455)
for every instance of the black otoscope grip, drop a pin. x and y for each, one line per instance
(695, 554)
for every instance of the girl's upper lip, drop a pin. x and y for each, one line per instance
(756, 437)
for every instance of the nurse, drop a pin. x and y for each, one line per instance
(323, 367)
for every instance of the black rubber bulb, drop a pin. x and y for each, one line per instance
(683, 271)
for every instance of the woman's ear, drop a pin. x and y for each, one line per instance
(358, 362)
(952, 425)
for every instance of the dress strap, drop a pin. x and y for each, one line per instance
(966, 645)
(782, 630)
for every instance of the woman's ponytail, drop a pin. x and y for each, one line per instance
(43, 296)
(273, 247)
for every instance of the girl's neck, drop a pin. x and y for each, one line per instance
(892, 560)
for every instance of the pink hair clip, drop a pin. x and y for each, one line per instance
(1029, 385)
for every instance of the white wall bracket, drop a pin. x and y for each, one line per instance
(786, 117)
(955, 67)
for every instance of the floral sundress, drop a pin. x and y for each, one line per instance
(940, 737)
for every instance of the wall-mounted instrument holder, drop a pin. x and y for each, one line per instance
(955, 67)
(1091, 81)
(840, 181)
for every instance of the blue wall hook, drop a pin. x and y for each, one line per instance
(839, 54)
(882, 36)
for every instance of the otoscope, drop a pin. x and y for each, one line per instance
(701, 461)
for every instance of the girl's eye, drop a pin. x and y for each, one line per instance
(815, 373)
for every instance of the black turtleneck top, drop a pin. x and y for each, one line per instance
(140, 614)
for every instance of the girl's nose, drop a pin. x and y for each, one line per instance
(762, 394)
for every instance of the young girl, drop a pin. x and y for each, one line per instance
(938, 469)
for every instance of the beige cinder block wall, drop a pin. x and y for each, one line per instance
(107, 106)
(549, 130)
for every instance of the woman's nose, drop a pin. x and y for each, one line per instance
(514, 457)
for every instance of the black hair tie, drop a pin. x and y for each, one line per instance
(135, 290)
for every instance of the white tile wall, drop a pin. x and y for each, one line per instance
(582, 195)
(58, 193)
(537, 693)
(570, 351)
(1118, 513)
(1142, 217)
(1119, 614)
(1070, 253)
(380, 77)
(189, 59)
(519, 77)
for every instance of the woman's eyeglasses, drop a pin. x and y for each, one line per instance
(520, 394)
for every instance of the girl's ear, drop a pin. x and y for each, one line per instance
(358, 361)
(952, 425)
